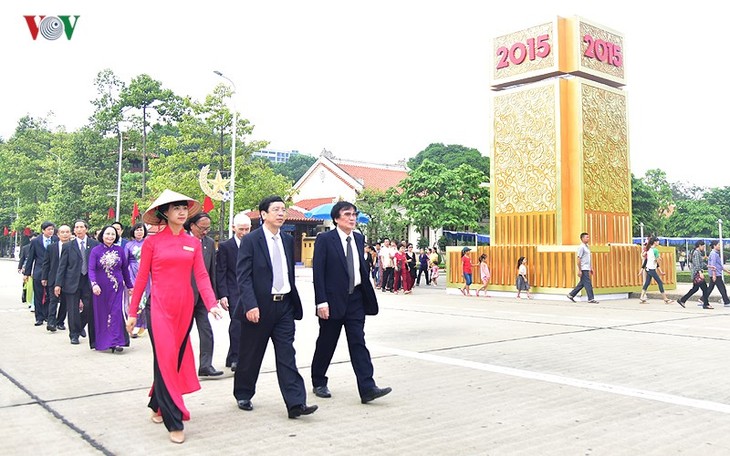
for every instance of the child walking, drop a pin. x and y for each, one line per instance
(484, 273)
(466, 270)
(522, 283)
(433, 261)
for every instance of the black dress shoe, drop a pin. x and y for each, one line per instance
(74, 341)
(303, 409)
(83, 332)
(209, 371)
(51, 328)
(61, 327)
(38, 323)
(322, 391)
(234, 366)
(245, 404)
(375, 393)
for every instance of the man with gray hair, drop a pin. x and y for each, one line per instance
(227, 285)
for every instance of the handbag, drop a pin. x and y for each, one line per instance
(697, 279)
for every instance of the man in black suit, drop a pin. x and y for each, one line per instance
(268, 305)
(72, 283)
(199, 226)
(225, 275)
(56, 313)
(21, 267)
(344, 295)
(33, 266)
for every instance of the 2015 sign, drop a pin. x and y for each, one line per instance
(517, 53)
(603, 51)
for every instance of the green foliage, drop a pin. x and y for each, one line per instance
(645, 208)
(694, 218)
(296, 166)
(438, 196)
(451, 156)
(386, 220)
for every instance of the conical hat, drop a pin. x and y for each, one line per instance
(168, 196)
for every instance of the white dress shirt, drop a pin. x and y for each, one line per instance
(284, 261)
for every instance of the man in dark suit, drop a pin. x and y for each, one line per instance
(268, 305)
(225, 275)
(344, 295)
(199, 226)
(56, 313)
(72, 283)
(33, 266)
(21, 267)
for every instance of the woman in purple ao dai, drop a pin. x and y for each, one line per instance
(108, 267)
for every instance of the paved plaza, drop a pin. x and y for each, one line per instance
(470, 376)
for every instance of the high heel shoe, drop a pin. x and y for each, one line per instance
(177, 436)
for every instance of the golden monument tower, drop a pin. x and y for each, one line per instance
(560, 163)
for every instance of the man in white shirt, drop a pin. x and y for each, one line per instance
(227, 288)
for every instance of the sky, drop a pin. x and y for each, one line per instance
(375, 81)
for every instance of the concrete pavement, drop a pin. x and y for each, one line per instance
(470, 376)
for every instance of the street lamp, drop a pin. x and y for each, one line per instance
(233, 155)
(119, 174)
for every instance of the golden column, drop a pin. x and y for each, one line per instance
(560, 163)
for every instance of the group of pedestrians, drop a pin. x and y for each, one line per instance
(713, 264)
(396, 267)
(176, 276)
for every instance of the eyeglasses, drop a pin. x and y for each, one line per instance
(349, 214)
(202, 229)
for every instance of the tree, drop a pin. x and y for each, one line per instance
(451, 156)
(435, 195)
(295, 168)
(145, 93)
(645, 207)
(386, 221)
(695, 218)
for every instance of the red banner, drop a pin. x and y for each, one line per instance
(208, 204)
(135, 213)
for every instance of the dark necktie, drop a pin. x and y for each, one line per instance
(47, 243)
(350, 266)
(277, 266)
(84, 266)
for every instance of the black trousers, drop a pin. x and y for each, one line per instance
(696, 286)
(276, 322)
(329, 334)
(234, 336)
(422, 270)
(388, 277)
(40, 301)
(160, 400)
(720, 284)
(56, 308)
(77, 319)
(205, 333)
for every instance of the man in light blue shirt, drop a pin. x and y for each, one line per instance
(714, 268)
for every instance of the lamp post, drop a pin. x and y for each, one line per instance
(233, 156)
(719, 225)
(641, 225)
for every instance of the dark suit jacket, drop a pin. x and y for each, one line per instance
(36, 254)
(50, 263)
(255, 276)
(209, 260)
(23, 256)
(330, 275)
(69, 268)
(225, 273)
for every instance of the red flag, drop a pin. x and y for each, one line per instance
(208, 204)
(111, 215)
(5, 231)
(26, 231)
(135, 213)
(13, 233)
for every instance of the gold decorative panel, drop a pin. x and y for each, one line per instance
(606, 174)
(528, 67)
(524, 167)
(612, 64)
